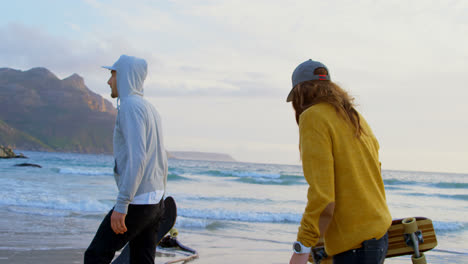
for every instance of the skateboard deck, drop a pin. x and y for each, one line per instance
(167, 223)
(172, 242)
(397, 241)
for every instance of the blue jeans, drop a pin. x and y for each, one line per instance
(373, 251)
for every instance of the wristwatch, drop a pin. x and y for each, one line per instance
(300, 249)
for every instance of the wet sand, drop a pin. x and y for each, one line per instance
(53, 256)
(211, 248)
(212, 253)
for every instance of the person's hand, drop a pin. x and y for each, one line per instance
(299, 258)
(118, 222)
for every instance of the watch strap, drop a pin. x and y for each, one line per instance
(299, 248)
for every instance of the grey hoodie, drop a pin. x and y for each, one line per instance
(140, 157)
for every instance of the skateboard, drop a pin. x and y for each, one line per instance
(166, 226)
(408, 236)
(172, 242)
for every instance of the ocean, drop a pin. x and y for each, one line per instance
(231, 212)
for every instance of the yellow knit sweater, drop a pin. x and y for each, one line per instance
(344, 169)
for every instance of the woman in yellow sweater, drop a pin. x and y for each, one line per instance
(346, 202)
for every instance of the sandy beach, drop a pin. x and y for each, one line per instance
(211, 248)
(53, 256)
(211, 255)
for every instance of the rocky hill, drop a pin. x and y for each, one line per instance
(38, 111)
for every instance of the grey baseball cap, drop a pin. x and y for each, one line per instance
(305, 72)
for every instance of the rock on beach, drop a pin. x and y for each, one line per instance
(28, 165)
(8, 153)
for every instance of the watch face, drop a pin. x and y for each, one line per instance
(297, 247)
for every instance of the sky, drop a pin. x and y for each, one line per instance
(220, 70)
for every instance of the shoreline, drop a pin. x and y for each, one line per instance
(35, 256)
(211, 256)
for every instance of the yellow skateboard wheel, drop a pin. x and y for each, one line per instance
(173, 232)
(420, 260)
(410, 226)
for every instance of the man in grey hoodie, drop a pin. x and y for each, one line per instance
(140, 170)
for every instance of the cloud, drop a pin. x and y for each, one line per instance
(29, 46)
(208, 47)
(405, 62)
(200, 82)
(25, 47)
(74, 26)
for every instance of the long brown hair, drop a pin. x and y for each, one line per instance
(309, 93)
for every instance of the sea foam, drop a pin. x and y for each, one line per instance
(243, 216)
(85, 171)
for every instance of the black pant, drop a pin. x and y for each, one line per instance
(372, 252)
(142, 223)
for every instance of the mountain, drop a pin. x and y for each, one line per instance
(38, 111)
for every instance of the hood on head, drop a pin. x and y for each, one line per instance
(131, 73)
